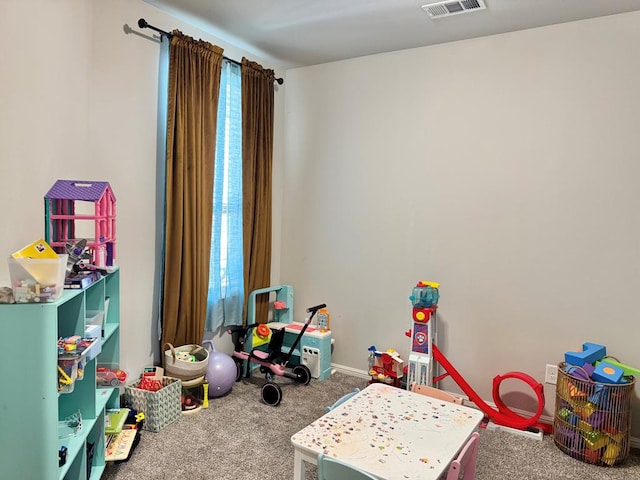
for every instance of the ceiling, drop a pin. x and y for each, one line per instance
(295, 33)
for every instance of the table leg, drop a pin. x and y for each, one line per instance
(298, 465)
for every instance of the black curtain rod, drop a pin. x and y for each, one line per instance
(142, 23)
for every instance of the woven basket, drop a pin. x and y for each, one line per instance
(183, 369)
(160, 408)
(592, 420)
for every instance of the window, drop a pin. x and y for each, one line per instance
(226, 277)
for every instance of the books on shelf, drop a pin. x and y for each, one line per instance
(114, 420)
(81, 279)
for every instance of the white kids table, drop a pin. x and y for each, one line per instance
(388, 432)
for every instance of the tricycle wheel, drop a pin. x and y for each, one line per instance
(271, 394)
(302, 373)
(238, 370)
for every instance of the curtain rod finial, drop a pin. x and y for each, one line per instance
(142, 23)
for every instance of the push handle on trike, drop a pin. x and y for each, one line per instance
(312, 311)
(238, 334)
(316, 308)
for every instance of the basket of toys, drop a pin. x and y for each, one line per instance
(161, 404)
(592, 420)
(186, 362)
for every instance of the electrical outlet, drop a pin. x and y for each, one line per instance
(551, 374)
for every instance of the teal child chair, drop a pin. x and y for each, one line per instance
(342, 399)
(332, 469)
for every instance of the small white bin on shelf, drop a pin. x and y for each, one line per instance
(36, 280)
(94, 317)
(93, 331)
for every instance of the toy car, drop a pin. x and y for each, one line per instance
(106, 377)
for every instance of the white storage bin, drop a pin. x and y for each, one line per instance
(35, 280)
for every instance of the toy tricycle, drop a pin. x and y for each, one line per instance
(272, 361)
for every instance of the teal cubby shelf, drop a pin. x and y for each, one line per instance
(32, 408)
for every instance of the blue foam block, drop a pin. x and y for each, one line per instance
(591, 352)
(600, 397)
(607, 373)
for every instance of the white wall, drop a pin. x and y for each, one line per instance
(503, 167)
(45, 110)
(80, 101)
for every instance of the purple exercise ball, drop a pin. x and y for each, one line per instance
(221, 372)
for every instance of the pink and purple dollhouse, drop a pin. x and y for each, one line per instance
(76, 209)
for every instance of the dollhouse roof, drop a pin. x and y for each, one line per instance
(84, 190)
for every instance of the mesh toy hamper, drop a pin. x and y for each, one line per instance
(160, 408)
(592, 420)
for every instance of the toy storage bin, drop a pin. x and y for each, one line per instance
(94, 317)
(160, 408)
(176, 365)
(68, 373)
(94, 332)
(592, 421)
(36, 280)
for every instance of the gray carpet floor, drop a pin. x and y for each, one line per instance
(238, 438)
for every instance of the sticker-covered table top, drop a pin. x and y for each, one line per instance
(391, 433)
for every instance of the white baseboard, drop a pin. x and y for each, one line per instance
(355, 372)
(536, 434)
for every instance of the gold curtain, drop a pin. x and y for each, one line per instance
(257, 158)
(194, 87)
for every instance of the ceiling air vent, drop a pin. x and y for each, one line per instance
(448, 8)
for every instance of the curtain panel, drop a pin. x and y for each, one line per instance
(193, 92)
(257, 159)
